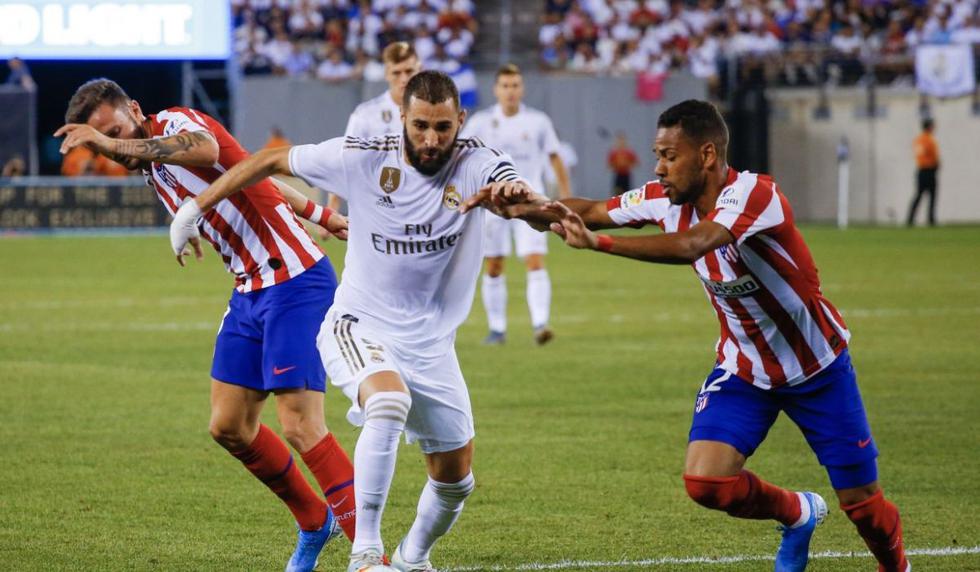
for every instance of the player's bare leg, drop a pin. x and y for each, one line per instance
(450, 483)
(493, 290)
(715, 478)
(301, 415)
(385, 402)
(539, 297)
(878, 523)
(235, 426)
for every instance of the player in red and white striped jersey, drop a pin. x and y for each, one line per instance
(783, 346)
(284, 286)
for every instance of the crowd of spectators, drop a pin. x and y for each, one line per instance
(337, 40)
(794, 42)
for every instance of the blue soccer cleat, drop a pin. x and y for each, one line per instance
(794, 550)
(495, 339)
(310, 543)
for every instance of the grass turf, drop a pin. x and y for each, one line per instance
(106, 463)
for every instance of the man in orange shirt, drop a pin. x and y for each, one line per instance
(621, 161)
(927, 162)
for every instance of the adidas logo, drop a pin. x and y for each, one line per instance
(386, 202)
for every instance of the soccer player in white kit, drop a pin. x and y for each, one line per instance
(411, 268)
(382, 115)
(528, 136)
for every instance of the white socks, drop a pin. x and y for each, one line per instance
(539, 297)
(385, 414)
(439, 507)
(494, 290)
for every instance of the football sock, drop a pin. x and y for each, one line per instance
(334, 472)
(385, 414)
(439, 507)
(539, 297)
(745, 496)
(269, 460)
(880, 525)
(494, 290)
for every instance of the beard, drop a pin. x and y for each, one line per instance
(428, 161)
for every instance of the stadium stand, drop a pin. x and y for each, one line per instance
(337, 40)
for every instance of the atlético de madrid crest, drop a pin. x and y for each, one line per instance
(451, 198)
(391, 177)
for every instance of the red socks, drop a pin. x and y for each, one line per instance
(334, 472)
(880, 526)
(745, 496)
(269, 460)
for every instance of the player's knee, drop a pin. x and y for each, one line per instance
(302, 432)
(387, 408)
(495, 267)
(710, 492)
(231, 436)
(534, 262)
(454, 492)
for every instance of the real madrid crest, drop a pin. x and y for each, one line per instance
(451, 198)
(391, 177)
(386, 115)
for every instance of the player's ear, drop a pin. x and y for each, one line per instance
(134, 107)
(462, 117)
(709, 154)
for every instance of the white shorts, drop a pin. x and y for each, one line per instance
(441, 418)
(497, 233)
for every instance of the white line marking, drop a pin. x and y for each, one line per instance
(674, 561)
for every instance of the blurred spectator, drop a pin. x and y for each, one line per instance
(299, 62)
(78, 162)
(621, 160)
(20, 75)
(334, 69)
(15, 167)
(276, 139)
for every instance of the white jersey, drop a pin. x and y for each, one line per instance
(374, 117)
(528, 136)
(412, 258)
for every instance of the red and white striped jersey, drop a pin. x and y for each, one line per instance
(255, 231)
(776, 326)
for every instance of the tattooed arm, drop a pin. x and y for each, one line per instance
(187, 149)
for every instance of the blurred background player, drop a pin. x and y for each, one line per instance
(926, 176)
(389, 340)
(783, 346)
(528, 136)
(284, 286)
(382, 114)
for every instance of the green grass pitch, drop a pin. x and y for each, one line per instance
(106, 463)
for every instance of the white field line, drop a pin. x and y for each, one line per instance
(701, 560)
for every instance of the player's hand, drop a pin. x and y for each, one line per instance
(337, 226)
(500, 198)
(76, 134)
(570, 226)
(183, 231)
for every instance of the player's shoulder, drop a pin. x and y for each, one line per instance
(473, 148)
(370, 150)
(650, 191)
(173, 120)
(742, 183)
(371, 104)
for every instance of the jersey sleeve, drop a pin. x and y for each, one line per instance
(639, 207)
(746, 210)
(496, 167)
(321, 165)
(174, 121)
(355, 125)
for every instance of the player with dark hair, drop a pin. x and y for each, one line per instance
(411, 268)
(783, 346)
(284, 286)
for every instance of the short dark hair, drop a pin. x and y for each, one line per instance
(699, 120)
(928, 124)
(507, 69)
(92, 94)
(431, 86)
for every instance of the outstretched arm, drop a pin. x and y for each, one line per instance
(187, 149)
(512, 202)
(334, 222)
(671, 248)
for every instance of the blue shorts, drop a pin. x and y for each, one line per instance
(827, 408)
(267, 339)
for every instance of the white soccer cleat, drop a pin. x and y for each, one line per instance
(399, 563)
(370, 560)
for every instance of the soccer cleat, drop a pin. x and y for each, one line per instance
(495, 339)
(794, 550)
(364, 560)
(310, 543)
(399, 563)
(543, 335)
